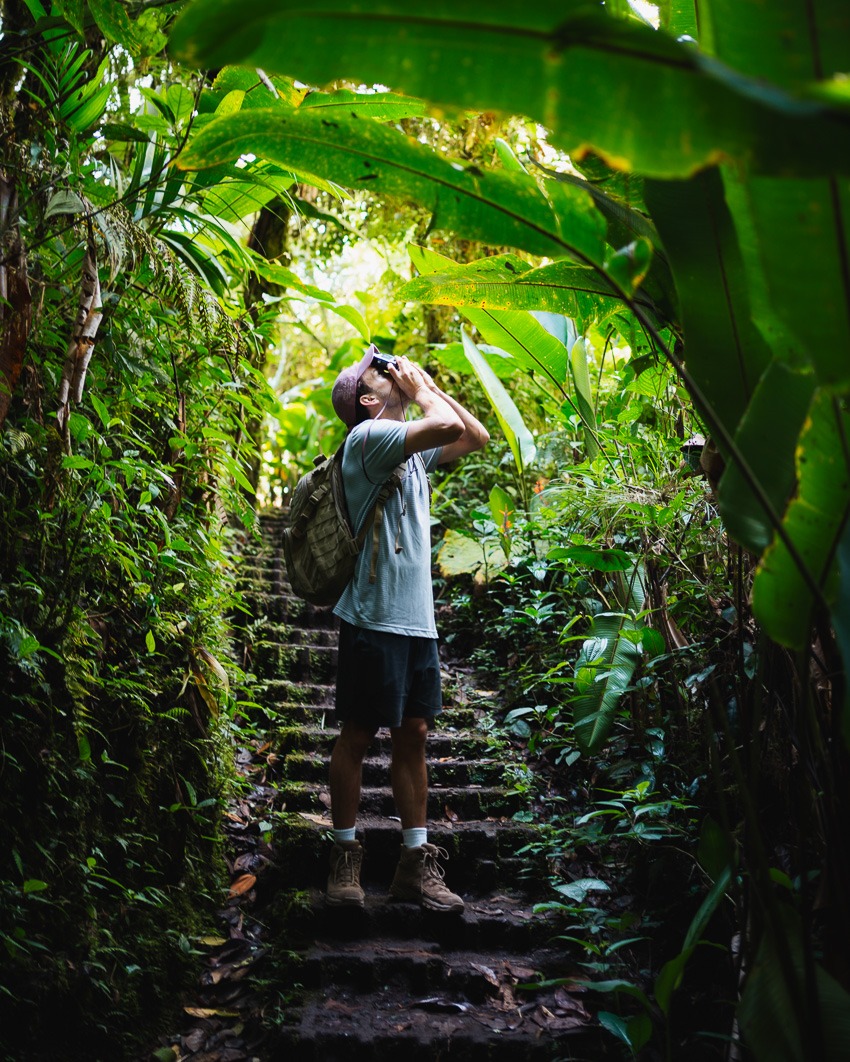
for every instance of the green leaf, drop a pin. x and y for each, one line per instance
(64, 201)
(496, 208)
(603, 671)
(34, 885)
(775, 1008)
(841, 623)
(783, 601)
(724, 352)
(113, 20)
(593, 557)
(509, 417)
(506, 282)
(460, 555)
(583, 396)
(640, 99)
(768, 443)
(379, 106)
(515, 331)
(354, 318)
(150, 641)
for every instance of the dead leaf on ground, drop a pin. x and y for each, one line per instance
(321, 820)
(489, 974)
(243, 884)
(436, 1005)
(210, 1012)
(452, 816)
(325, 798)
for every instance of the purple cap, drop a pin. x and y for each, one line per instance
(344, 394)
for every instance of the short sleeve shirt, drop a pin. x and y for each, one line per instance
(401, 600)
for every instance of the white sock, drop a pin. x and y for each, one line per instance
(415, 836)
(344, 836)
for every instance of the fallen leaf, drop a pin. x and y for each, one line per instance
(243, 884)
(488, 973)
(325, 798)
(211, 942)
(452, 816)
(320, 819)
(210, 1012)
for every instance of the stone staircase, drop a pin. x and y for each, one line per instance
(392, 980)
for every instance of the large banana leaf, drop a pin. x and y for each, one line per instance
(783, 597)
(636, 96)
(509, 417)
(506, 282)
(496, 208)
(583, 396)
(516, 331)
(725, 353)
(768, 443)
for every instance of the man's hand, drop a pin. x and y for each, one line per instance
(409, 377)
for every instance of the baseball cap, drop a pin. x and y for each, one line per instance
(344, 393)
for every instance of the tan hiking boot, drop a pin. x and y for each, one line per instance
(344, 879)
(419, 878)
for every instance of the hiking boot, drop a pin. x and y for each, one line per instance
(419, 878)
(344, 879)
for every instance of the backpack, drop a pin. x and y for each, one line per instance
(320, 548)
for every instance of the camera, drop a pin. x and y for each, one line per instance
(382, 362)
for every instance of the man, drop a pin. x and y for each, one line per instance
(389, 672)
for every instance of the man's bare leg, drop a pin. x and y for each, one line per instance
(346, 772)
(409, 772)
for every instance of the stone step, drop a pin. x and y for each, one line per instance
(287, 634)
(442, 771)
(320, 740)
(262, 604)
(502, 920)
(422, 967)
(482, 854)
(296, 663)
(467, 803)
(321, 712)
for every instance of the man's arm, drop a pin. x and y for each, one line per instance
(475, 435)
(439, 425)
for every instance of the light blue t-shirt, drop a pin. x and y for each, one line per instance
(401, 600)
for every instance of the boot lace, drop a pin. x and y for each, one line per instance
(433, 870)
(345, 871)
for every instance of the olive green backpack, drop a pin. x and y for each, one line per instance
(320, 548)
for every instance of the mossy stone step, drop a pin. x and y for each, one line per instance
(439, 743)
(467, 802)
(296, 663)
(320, 711)
(442, 771)
(482, 853)
(289, 634)
(283, 608)
(503, 920)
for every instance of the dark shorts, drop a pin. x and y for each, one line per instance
(381, 678)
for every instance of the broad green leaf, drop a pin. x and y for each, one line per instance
(379, 106)
(115, 23)
(354, 318)
(255, 90)
(774, 1010)
(65, 201)
(286, 278)
(510, 420)
(638, 98)
(795, 239)
(670, 977)
(724, 353)
(583, 396)
(783, 600)
(593, 557)
(841, 623)
(496, 208)
(506, 282)
(603, 671)
(502, 509)
(768, 442)
(460, 555)
(514, 331)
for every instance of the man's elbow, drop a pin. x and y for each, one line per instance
(451, 430)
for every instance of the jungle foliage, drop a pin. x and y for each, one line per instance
(672, 279)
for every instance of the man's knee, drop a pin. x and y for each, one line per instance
(409, 738)
(354, 740)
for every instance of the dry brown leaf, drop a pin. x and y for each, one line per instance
(325, 798)
(452, 816)
(210, 1012)
(243, 884)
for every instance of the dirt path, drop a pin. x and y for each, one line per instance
(294, 979)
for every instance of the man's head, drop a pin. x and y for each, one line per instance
(356, 382)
